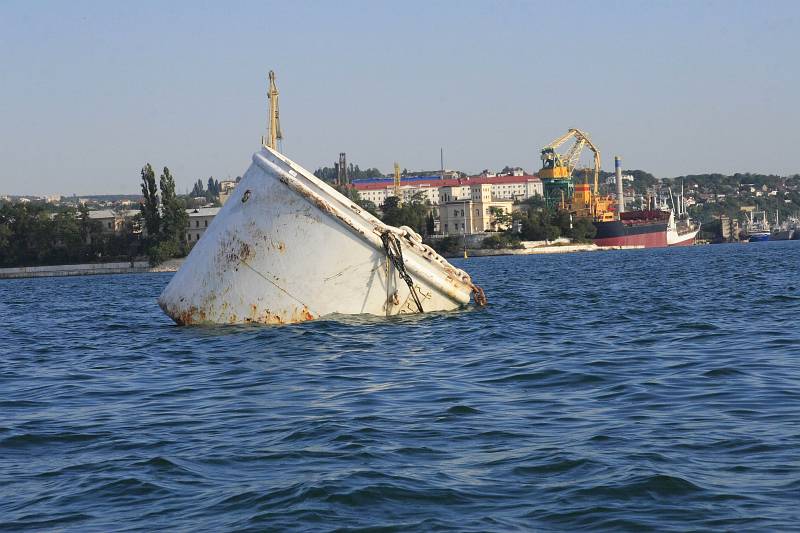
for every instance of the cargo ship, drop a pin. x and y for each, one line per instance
(757, 228)
(648, 229)
(789, 230)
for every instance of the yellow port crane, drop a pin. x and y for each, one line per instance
(559, 167)
(556, 176)
(274, 124)
(397, 182)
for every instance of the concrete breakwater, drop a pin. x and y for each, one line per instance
(128, 267)
(561, 245)
(557, 249)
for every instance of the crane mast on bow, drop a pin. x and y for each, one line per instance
(397, 182)
(274, 124)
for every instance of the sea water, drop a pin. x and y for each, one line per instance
(646, 389)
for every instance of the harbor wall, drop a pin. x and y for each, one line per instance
(128, 267)
(563, 249)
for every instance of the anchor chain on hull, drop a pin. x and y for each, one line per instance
(394, 251)
(479, 296)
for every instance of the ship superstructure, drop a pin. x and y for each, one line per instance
(757, 227)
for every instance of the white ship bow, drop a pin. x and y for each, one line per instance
(287, 247)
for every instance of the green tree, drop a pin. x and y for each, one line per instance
(535, 201)
(331, 174)
(69, 243)
(430, 224)
(412, 213)
(149, 207)
(583, 230)
(90, 230)
(500, 217)
(449, 246)
(6, 237)
(391, 210)
(5, 240)
(368, 205)
(537, 224)
(501, 240)
(174, 216)
(197, 190)
(213, 189)
(34, 234)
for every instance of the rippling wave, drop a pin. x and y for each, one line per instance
(652, 389)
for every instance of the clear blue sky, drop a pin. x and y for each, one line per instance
(90, 91)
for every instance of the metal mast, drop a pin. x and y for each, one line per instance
(341, 175)
(397, 181)
(274, 127)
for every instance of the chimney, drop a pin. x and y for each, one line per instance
(620, 191)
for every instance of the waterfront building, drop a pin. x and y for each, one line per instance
(471, 209)
(199, 220)
(113, 221)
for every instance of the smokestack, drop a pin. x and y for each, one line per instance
(620, 192)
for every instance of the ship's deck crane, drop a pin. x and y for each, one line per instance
(274, 124)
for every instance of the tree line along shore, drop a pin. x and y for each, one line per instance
(34, 233)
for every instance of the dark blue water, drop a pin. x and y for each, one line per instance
(652, 389)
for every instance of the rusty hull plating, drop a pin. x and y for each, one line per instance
(286, 248)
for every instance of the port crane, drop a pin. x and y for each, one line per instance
(274, 124)
(556, 175)
(558, 168)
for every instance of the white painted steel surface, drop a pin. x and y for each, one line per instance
(286, 247)
(674, 237)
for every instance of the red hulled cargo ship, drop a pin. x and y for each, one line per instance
(649, 229)
(634, 228)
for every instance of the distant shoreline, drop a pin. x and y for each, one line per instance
(541, 250)
(142, 267)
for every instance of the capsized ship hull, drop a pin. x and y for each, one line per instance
(286, 247)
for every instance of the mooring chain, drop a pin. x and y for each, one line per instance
(394, 251)
(479, 295)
